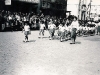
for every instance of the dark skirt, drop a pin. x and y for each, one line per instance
(26, 32)
(52, 31)
(73, 33)
(98, 28)
(62, 34)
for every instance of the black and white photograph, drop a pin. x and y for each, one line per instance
(49, 37)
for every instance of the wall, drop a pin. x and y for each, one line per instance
(73, 8)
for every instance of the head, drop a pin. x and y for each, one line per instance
(42, 22)
(26, 23)
(75, 18)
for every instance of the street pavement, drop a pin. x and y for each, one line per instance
(48, 57)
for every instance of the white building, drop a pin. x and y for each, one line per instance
(73, 6)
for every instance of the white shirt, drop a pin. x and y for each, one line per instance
(59, 27)
(99, 24)
(52, 26)
(24, 18)
(42, 26)
(66, 28)
(26, 28)
(10, 18)
(75, 24)
(62, 29)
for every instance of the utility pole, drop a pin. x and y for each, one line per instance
(66, 4)
(90, 9)
(79, 9)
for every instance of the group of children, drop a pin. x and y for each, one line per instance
(62, 30)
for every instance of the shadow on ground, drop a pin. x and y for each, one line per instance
(32, 41)
(77, 42)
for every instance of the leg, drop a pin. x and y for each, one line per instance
(42, 32)
(74, 39)
(39, 34)
(26, 37)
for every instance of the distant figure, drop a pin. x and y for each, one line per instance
(26, 31)
(42, 27)
(51, 28)
(74, 27)
(62, 30)
(98, 29)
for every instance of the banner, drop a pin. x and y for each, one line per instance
(7, 2)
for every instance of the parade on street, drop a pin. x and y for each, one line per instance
(49, 37)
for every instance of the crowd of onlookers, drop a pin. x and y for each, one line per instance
(16, 20)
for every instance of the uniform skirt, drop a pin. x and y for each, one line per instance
(42, 30)
(98, 28)
(52, 31)
(26, 32)
(73, 33)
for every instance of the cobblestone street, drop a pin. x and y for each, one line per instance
(48, 57)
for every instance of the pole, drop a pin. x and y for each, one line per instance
(90, 9)
(79, 9)
(66, 4)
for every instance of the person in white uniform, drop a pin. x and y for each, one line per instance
(51, 28)
(42, 27)
(26, 31)
(62, 29)
(74, 27)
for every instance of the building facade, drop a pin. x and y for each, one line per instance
(48, 7)
(54, 7)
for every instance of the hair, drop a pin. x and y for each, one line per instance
(75, 17)
(42, 22)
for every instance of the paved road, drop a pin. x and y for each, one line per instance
(48, 57)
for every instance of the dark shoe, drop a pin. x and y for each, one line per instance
(72, 43)
(27, 41)
(24, 41)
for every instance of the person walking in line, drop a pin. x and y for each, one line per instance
(51, 28)
(26, 31)
(98, 28)
(74, 27)
(62, 36)
(42, 27)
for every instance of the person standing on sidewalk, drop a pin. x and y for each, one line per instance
(74, 27)
(26, 31)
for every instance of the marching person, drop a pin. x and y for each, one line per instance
(42, 27)
(59, 30)
(51, 28)
(62, 36)
(74, 27)
(26, 31)
(98, 28)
